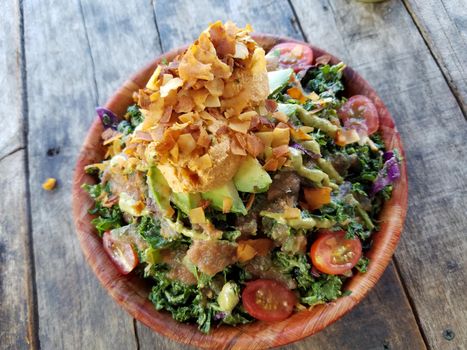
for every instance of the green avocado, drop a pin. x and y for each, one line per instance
(251, 177)
(278, 79)
(159, 189)
(186, 201)
(217, 195)
(288, 109)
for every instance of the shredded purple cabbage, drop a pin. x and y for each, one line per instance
(304, 150)
(220, 316)
(388, 174)
(108, 118)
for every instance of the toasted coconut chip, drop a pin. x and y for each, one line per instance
(212, 101)
(280, 151)
(271, 164)
(266, 137)
(170, 85)
(116, 136)
(280, 116)
(174, 152)
(271, 105)
(204, 140)
(186, 143)
(166, 115)
(223, 42)
(141, 136)
(280, 136)
(241, 138)
(204, 162)
(241, 51)
(324, 59)
(236, 148)
(190, 69)
(254, 145)
(109, 133)
(281, 162)
(153, 82)
(186, 118)
(240, 126)
(215, 86)
(247, 115)
(143, 99)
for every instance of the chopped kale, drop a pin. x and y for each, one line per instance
(325, 78)
(134, 115)
(107, 218)
(362, 265)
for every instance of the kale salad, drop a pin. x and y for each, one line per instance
(242, 184)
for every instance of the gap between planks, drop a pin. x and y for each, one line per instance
(438, 61)
(411, 303)
(33, 312)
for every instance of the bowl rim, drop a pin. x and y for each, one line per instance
(127, 291)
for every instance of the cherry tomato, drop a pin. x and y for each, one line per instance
(333, 254)
(121, 253)
(292, 55)
(268, 300)
(359, 109)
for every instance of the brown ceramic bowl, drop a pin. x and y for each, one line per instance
(131, 292)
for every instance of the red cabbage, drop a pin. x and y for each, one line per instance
(108, 118)
(304, 150)
(388, 174)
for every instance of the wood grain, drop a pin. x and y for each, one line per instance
(443, 25)
(15, 271)
(431, 256)
(17, 316)
(10, 80)
(180, 21)
(74, 311)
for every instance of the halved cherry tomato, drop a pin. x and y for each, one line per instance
(120, 252)
(334, 254)
(359, 109)
(268, 300)
(293, 55)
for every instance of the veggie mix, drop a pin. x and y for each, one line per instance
(243, 185)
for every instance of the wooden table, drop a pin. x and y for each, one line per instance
(60, 59)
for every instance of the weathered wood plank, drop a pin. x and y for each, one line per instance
(74, 310)
(443, 25)
(120, 46)
(10, 79)
(17, 322)
(180, 21)
(15, 270)
(382, 42)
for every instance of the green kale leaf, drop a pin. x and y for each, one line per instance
(106, 218)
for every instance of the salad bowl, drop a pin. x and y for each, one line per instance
(131, 292)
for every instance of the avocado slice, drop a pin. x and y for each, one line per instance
(186, 201)
(278, 79)
(217, 195)
(251, 177)
(288, 109)
(159, 189)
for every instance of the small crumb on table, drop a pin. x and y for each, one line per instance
(49, 184)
